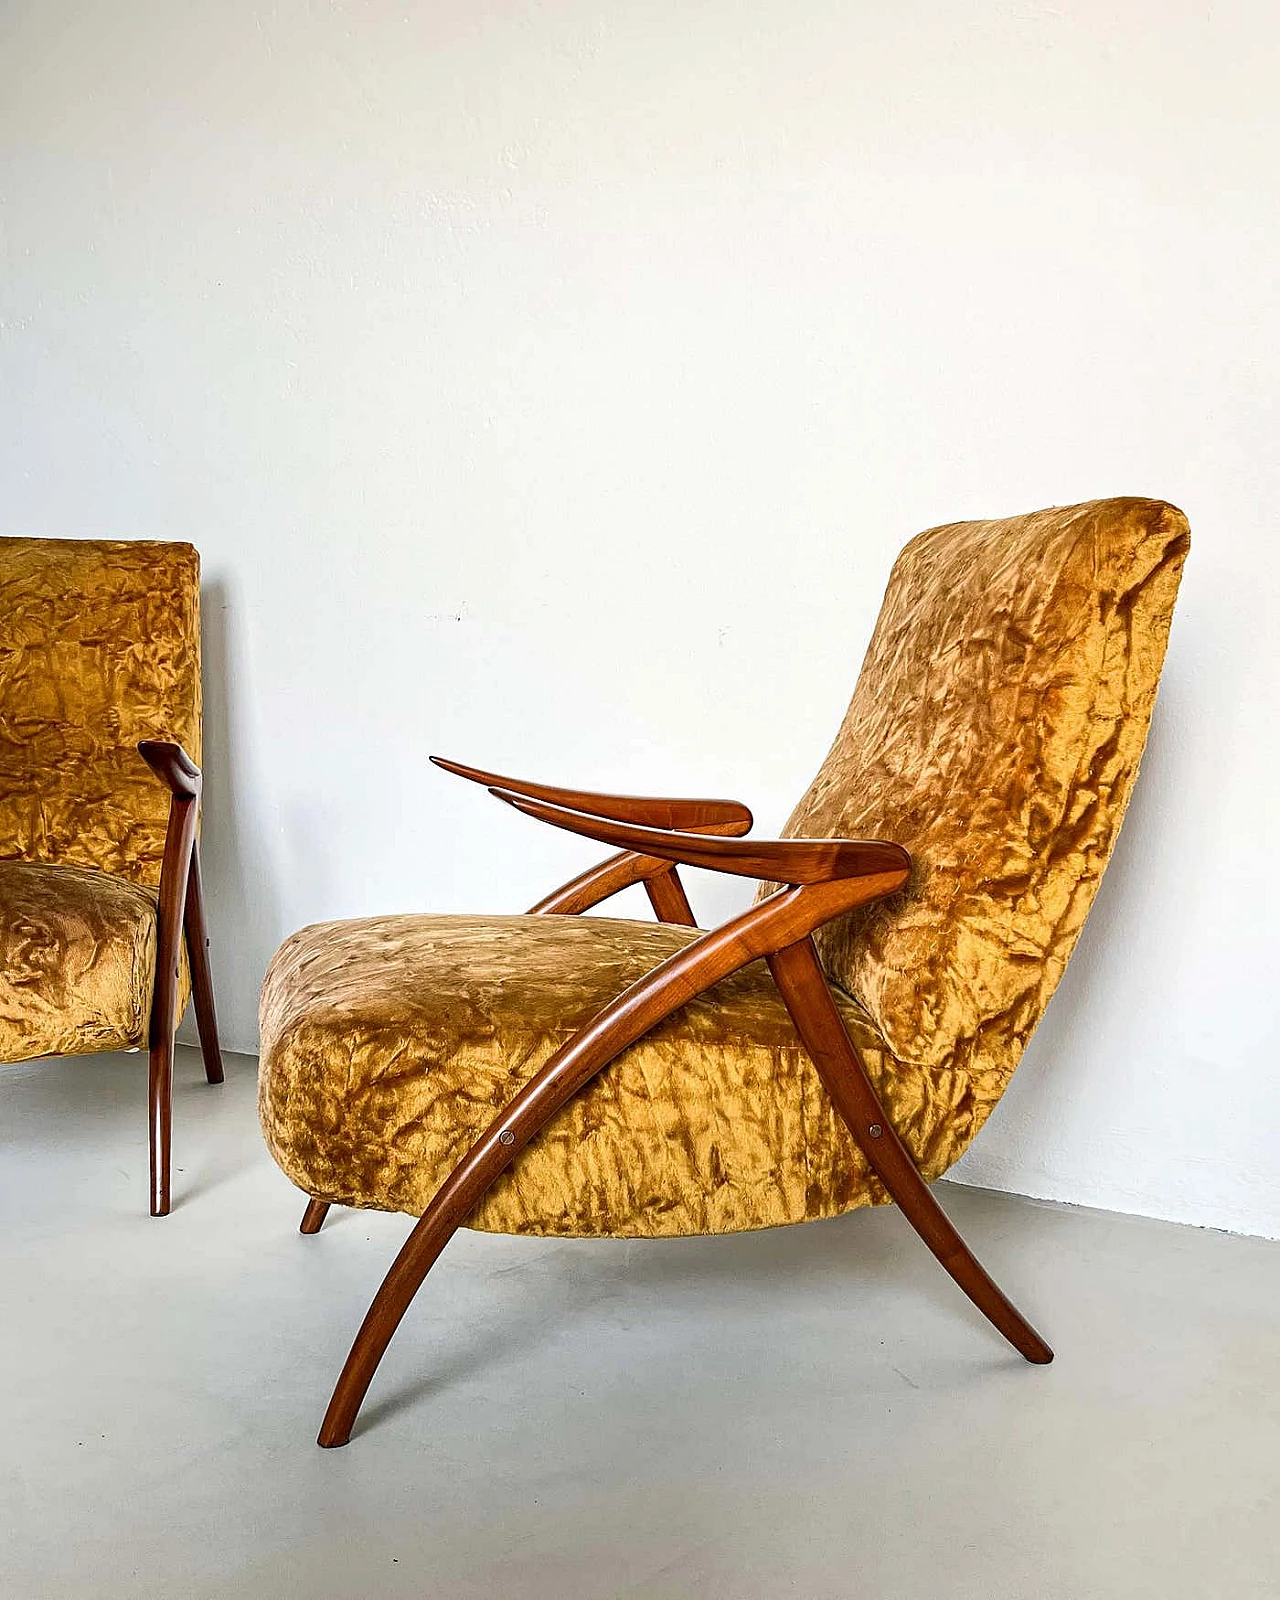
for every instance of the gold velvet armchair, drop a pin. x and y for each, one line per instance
(99, 865)
(840, 1043)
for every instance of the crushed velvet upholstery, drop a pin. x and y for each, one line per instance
(389, 1045)
(77, 961)
(99, 648)
(995, 732)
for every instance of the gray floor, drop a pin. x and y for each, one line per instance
(812, 1412)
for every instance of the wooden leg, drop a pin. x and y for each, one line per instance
(160, 1117)
(171, 898)
(799, 975)
(201, 977)
(313, 1217)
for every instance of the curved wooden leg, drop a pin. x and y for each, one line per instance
(313, 1217)
(201, 977)
(434, 1229)
(799, 975)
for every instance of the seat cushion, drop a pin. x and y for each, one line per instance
(77, 961)
(389, 1044)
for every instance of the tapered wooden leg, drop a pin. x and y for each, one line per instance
(313, 1217)
(201, 977)
(799, 975)
(160, 1117)
(171, 898)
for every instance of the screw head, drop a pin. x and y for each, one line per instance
(875, 1130)
(506, 1137)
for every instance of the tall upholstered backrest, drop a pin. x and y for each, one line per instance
(99, 647)
(995, 732)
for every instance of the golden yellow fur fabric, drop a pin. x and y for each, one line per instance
(99, 648)
(995, 732)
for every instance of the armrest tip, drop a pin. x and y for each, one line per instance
(172, 765)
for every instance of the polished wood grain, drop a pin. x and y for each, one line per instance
(609, 877)
(785, 917)
(795, 861)
(803, 985)
(701, 816)
(178, 905)
(598, 883)
(201, 977)
(173, 766)
(668, 899)
(313, 1217)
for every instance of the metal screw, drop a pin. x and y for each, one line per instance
(875, 1130)
(506, 1137)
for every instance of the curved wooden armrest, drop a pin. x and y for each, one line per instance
(691, 816)
(794, 861)
(173, 766)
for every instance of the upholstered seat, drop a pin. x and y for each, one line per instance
(389, 1045)
(77, 961)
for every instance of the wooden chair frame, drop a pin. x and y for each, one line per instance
(821, 879)
(180, 912)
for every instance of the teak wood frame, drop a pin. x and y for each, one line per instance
(180, 911)
(821, 879)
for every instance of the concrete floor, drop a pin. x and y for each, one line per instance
(813, 1411)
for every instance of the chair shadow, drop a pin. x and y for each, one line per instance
(242, 911)
(871, 1247)
(1115, 924)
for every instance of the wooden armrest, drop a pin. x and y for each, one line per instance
(173, 766)
(793, 861)
(690, 816)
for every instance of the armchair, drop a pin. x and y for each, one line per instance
(102, 926)
(838, 1044)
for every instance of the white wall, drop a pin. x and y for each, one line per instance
(551, 385)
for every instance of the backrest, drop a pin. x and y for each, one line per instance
(99, 647)
(995, 732)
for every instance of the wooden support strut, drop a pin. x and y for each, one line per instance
(800, 978)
